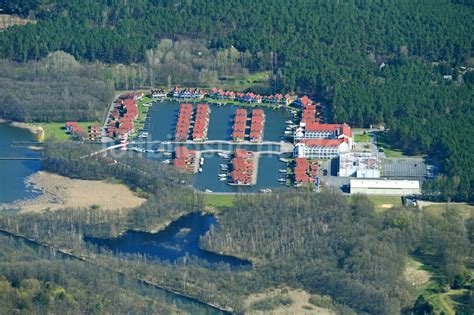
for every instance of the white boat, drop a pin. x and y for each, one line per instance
(167, 153)
(288, 122)
(143, 134)
(208, 190)
(288, 132)
(283, 171)
(282, 180)
(201, 161)
(222, 179)
(200, 170)
(222, 175)
(223, 155)
(167, 161)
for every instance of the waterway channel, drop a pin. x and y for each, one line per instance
(14, 172)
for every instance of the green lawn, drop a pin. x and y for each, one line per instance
(142, 111)
(243, 83)
(465, 210)
(56, 129)
(237, 103)
(219, 201)
(439, 295)
(382, 203)
(361, 138)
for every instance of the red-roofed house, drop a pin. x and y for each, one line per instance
(303, 101)
(321, 148)
(316, 130)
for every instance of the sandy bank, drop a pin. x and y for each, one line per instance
(37, 130)
(63, 192)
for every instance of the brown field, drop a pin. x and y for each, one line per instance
(300, 304)
(7, 20)
(63, 192)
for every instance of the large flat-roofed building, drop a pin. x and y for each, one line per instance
(359, 164)
(384, 187)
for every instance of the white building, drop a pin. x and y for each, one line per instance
(359, 164)
(324, 131)
(321, 148)
(384, 187)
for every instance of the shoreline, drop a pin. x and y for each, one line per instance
(59, 192)
(35, 130)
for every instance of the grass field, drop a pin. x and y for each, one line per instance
(382, 203)
(361, 138)
(464, 209)
(56, 130)
(443, 299)
(143, 111)
(219, 201)
(258, 79)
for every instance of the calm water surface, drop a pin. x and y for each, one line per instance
(12, 185)
(176, 242)
(161, 125)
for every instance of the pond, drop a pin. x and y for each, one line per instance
(176, 242)
(14, 172)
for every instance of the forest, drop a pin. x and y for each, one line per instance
(316, 242)
(406, 65)
(55, 89)
(35, 280)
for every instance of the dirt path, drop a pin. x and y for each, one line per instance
(63, 192)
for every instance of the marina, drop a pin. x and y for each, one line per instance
(206, 132)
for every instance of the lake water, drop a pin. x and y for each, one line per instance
(14, 172)
(176, 242)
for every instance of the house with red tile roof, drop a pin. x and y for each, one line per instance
(256, 125)
(240, 125)
(201, 122)
(303, 101)
(184, 122)
(184, 159)
(305, 172)
(242, 168)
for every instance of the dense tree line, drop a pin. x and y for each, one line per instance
(332, 49)
(35, 280)
(323, 243)
(56, 89)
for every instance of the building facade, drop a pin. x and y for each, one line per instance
(321, 148)
(384, 187)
